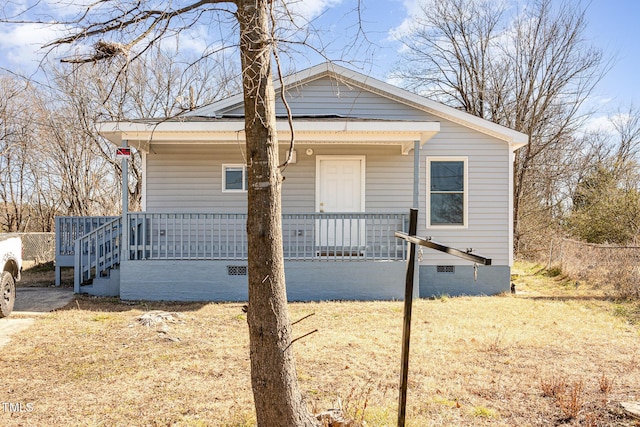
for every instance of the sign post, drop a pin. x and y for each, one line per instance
(406, 327)
(408, 298)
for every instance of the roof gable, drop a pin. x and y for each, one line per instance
(358, 96)
(329, 97)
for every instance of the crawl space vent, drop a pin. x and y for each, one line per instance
(446, 269)
(236, 270)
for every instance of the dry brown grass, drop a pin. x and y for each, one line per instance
(614, 269)
(474, 362)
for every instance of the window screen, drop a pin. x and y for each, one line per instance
(447, 192)
(235, 178)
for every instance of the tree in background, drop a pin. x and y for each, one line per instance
(606, 206)
(154, 87)
(53, 160)
(19, 114)
(606, 201)
(527, 68)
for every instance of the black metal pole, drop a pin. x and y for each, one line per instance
(406, 329)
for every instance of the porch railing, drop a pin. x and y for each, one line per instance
(97, 252)
(71, 228)
(94, 243)
(68, 230)
(309, 236)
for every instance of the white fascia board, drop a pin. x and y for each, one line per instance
(212, 110)
(140, 135)
(510, 225)
(514, 138)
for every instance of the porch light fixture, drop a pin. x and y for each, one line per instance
(309, 151)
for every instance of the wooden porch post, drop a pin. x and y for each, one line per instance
(125, 205)
(416, 205)
(416, 174)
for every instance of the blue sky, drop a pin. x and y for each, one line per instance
(611, 26)
(614, 27)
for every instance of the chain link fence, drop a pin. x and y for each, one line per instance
(613, 268)
(38, 248)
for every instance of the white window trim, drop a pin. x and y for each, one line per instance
(465, 198)
(226, 166)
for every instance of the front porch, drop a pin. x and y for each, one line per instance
(202, 256)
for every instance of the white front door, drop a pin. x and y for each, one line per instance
(340, 189)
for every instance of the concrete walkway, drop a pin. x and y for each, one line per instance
(30, 303)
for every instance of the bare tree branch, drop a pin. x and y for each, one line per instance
(531, 71)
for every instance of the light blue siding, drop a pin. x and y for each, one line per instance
(210, 281)
(489, 280)
(184, 177)
(188, 178)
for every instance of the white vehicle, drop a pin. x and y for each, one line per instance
(10, 268)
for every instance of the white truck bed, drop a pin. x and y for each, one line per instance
(10, 269)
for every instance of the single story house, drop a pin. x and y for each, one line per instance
(366, 152)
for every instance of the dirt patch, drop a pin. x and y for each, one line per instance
(10, 326)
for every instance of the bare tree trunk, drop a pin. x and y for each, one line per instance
(278, 400)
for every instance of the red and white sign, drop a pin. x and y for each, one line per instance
(123, 152)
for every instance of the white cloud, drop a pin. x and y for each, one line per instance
(12, 8)
(413, 9)
(29, 36)
(21, 45)
(311, 9)
(596, 124)
(417, 8)
(193, 39)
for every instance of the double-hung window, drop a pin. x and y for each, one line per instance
(447, 192)
(234, 178)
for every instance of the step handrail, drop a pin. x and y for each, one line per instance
(96, 252)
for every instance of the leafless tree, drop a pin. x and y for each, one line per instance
(453, 53)
(155, 86)
(627, 130)
(605, 189)
(53, 160)
(17, 130)
(85, 178)
(121, 31)
(528, 68)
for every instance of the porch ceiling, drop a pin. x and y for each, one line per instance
(343, 131)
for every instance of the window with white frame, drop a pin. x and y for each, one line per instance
(447, 191)
(234, 178)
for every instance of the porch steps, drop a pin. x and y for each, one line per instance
(104, 286)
